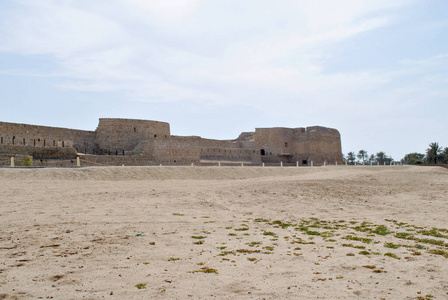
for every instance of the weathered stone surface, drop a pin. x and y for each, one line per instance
(142, 142)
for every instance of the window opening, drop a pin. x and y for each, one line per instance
(304, 162)
(135, 129)
(262, 152)
(286, 145)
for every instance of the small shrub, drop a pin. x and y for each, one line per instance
(27, 161)
(390, 254)
(140, 286)
(391, 245)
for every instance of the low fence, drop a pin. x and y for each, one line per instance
(93, 161)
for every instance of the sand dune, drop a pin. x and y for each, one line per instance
(229, 232)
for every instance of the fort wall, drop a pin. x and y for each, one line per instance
(44, 136)
(126, 134)
(142, 142)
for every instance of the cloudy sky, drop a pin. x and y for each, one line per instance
(376, 70)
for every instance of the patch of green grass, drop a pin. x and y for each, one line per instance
(270, 248)
(311, 232)
(355, 238)
(199, 242)
(246, 251)
(379, 271)
(252, 259)
(433, 232)
(390, 254)
(404, 235)
(252, 244)
(259, 220)
(173, 259)
(224, 253)
(283, 224)
(438, 252)
(269, 233)
(391, 245)
(381, 230)
(232, 234)
(364, 252)
(205, 270)
(198, 237)
(178, 214)
(140, 286)
(242, 229)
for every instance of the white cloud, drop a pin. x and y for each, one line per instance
(166, 50)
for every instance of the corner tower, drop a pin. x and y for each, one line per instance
(126, 134)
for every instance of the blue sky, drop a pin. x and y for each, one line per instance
(374, 70)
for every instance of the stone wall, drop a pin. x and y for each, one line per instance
(141, 142)
(126, 134)
(289, 145)
(44, 136)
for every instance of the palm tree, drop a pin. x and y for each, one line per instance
(434, 154)
(381, 157)
(362, 155)
(371, 158)
(445, 155)
(351, 157)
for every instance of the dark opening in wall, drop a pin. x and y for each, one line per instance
(262, 152)
(45, 143)
(286, 145)
(13, 140)
(2, 140)
(135, 129)
(155, 135)
(63, 144)
(54, 143)
(34, 142)
(304, 162)
(24, 141)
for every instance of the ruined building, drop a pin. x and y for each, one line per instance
(142, 142)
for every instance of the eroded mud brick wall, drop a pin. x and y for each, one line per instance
(126, 134)
(317, 144)
(13, 134)
(324, 144)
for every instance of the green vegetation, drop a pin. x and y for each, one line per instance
(391, 245)
(27, 161)
(140, 286)
(205, 270)
(390, 254)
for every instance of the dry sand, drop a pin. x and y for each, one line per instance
(209, 232)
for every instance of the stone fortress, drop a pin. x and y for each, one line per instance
(142, 143)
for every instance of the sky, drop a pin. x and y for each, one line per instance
(376, 70)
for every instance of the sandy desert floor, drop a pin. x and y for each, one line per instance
(224, 233)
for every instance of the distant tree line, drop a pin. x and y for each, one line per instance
(362, 157)
(435, 154)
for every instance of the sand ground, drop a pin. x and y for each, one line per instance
(225, 233)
